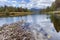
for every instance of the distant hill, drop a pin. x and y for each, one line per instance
(34, 9)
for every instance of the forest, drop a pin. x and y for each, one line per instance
(13, 9)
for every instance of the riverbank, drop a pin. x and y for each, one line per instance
(13, 14)
(51, 12)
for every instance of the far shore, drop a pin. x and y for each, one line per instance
(13, 14)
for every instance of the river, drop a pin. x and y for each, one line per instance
(43, 20)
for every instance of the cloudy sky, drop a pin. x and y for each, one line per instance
(27, 3)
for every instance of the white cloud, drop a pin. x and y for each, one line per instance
(14, 1)
(38, 3)
(31, 4)
(3, 0)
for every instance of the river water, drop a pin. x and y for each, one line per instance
(43, 20)
(38, 19)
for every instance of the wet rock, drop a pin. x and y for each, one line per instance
(23, 31)
(15, 31)
(4, 25)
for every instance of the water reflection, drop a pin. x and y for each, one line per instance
(42, 20)
(30, 18)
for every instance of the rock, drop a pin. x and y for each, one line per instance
(15, 31)
(23, 31)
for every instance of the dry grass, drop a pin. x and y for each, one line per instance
(15, 14)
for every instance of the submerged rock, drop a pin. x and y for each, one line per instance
(15, 32)
(24, 31)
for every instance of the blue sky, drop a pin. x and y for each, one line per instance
(27, 3)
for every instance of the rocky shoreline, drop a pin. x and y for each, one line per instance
(15, 31)
(22, 30)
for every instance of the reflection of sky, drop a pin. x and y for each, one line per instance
(2, 22)
(29, 19)
(32, 19)
(36, 19)
(42, 20)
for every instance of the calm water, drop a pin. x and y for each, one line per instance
(43, 20)
(38, 19)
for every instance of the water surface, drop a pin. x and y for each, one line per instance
(43, 20)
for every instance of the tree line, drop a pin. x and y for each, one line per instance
(54, 7)
(49, 8)
(13, 9)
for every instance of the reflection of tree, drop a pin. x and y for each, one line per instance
(9, 20)
(6, 12)
(56, 21)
